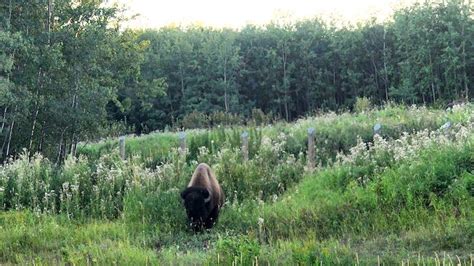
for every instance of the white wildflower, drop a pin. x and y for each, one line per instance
(274, 198)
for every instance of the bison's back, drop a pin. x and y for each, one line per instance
(204, 177)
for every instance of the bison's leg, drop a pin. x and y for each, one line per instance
(212, 218)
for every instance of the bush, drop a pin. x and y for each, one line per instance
(259, 118)
(362, 104)
(195, 120)
(224, 119)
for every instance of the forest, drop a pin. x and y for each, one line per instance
(70, 71)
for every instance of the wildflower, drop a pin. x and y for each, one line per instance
(204, 150)
(274, 198)
(74, 188)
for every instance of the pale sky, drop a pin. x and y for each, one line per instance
(237, 13)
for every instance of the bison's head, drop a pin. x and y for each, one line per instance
(197, 201)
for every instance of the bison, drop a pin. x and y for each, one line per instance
(203, 198)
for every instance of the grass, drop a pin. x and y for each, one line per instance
(27, 238)
(51, 240)
(401, 199)
(153, 148)
(334, 132)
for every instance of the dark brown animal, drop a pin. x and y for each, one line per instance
(203, 198)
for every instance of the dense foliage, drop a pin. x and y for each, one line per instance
(390, 199)
(68, 73)
(61, 63)
(424, 54)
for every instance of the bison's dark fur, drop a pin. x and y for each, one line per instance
(203, 198)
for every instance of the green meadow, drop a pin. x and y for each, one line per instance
(405, 196)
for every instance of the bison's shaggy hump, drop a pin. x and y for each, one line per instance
(203, 198)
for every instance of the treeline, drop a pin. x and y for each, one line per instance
(67, 72)
(61, 63)
(423, 55)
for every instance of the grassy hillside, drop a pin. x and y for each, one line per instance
(334, 132)
(404, 197)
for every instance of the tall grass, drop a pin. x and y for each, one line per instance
(334, 133)
(398, 196)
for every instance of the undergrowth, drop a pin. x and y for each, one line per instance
(401, 198)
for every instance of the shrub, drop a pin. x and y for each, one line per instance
(224, 119)
(259, 118)
(362, 104)
(195, 120)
